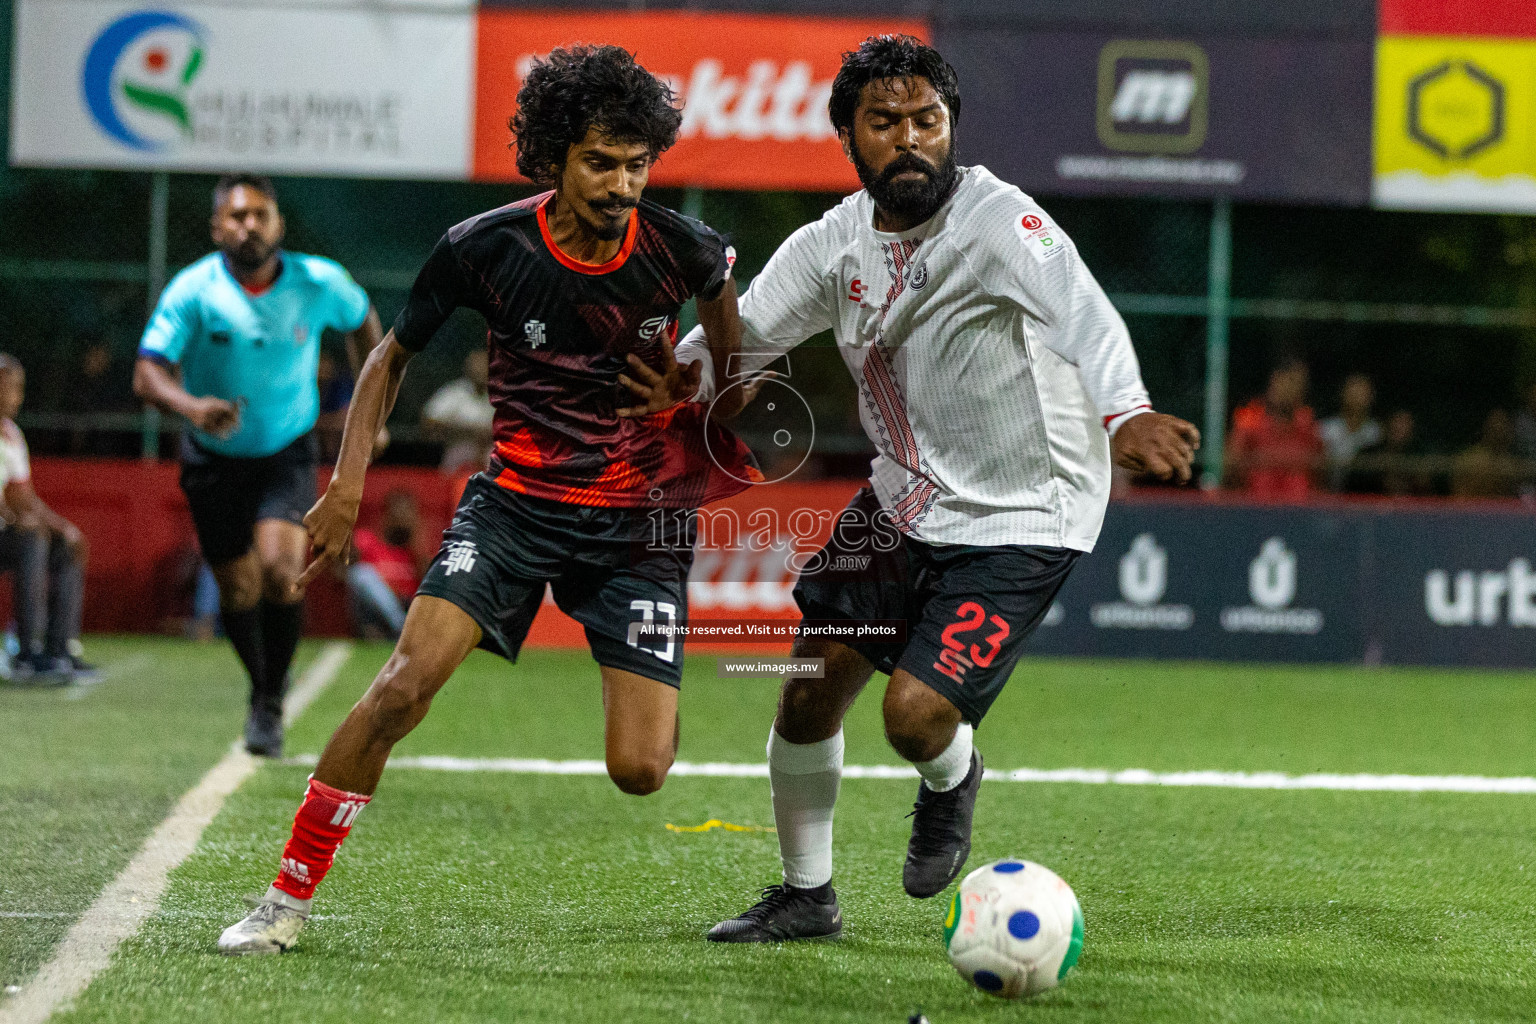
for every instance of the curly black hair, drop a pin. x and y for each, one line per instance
(577, 88)
(882, 58)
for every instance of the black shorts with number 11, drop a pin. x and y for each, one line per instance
(968, 608)
(614, 570)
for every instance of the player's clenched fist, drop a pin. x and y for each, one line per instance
(1156, 444)
(215, 416)
(330, 525)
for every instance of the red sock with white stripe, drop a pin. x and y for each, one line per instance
(324, 819)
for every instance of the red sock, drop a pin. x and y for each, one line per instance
(324, 819)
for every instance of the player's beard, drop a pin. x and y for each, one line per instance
(250, 255)
(916, 200)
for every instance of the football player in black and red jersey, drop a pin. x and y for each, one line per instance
(581, 287)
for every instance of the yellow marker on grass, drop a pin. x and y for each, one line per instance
(717, 823)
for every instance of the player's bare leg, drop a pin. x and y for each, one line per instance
(438, 636)
(805, 765)
(640, 730)
(926, 729)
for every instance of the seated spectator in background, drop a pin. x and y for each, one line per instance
(96, 383)
(335, 395)
(1391, 467)
(1352, 430)
(1489, 468)
(459, 414)
(1274, 450)
(44, 552)
(381, 583)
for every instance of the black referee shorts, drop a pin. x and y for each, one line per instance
(228, 495)
(611, 569)
(968, 609)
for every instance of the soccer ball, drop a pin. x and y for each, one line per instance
(1013, 929)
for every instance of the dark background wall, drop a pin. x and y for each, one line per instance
(1449, 375)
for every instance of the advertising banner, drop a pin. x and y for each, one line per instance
(1228, 584)
(1514, 18)
(1272, 119)
(1358, 583)
(1454, 124)
(755, 89)
(341, 90)
(1455, 589)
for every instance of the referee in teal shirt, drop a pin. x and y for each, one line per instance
(233, 346)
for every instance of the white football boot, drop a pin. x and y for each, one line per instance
(272, 927)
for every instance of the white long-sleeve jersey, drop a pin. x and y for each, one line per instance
(989, 362)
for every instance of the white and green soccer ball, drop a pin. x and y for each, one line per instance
(1013, 928)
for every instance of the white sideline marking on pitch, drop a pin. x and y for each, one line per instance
(130, 898)
(1089, 776)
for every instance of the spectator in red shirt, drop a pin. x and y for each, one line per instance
(1275, 450)
(381, 583)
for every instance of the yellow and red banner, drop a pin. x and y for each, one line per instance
(754, 89)
(1456, 105)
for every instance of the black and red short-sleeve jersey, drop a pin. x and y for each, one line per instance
(559, 334)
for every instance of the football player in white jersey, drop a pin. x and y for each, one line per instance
(996, 382)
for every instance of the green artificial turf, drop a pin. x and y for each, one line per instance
(86, 773)
(498, 897)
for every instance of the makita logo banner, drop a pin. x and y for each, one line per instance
(754, 90)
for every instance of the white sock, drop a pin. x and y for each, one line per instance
(276, 895)
(950, 768)
(805, 778)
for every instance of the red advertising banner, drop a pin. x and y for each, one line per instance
(754, 89)
(1515, 18)
(749, 550)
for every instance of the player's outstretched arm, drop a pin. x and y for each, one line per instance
(721, 320)
(359, 343)
(1156, 444)
(331, 521)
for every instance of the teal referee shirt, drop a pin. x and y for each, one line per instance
(260, 351)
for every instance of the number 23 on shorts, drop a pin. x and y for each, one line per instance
(969, 617)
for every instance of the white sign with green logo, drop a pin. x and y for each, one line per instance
(333, 90)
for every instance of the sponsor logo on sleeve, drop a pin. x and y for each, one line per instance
(1043, 239)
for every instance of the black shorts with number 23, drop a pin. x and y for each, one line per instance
(968, 608)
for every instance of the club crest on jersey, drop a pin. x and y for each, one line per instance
(653, 327)
(919, 276)
(533, 333)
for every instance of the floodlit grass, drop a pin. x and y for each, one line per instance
(489, 897)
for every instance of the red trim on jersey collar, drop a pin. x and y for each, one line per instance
(256, 293)
(577, 265)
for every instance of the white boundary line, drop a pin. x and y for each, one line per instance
(1089, 776)
(133, 896)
